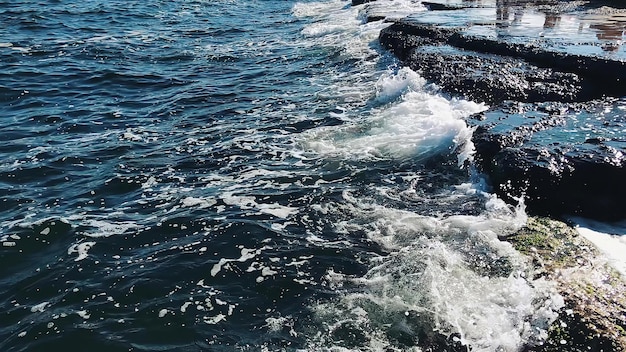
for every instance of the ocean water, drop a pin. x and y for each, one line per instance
(243, 175)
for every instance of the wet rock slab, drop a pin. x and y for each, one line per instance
(547, 69)
(588, 60)
(563, 158)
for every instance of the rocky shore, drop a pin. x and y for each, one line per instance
(554, 132)
(554, 76)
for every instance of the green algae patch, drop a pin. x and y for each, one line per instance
(536, 236)
(552, 243)
(594, 316)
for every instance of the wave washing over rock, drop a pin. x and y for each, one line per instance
(552, 72)
(554, 135)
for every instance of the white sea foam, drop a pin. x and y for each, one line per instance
(249, 202)
(436, 277)
(82, 249)
(39, 307)
(214, 319)
(129, 135)
(83, 314)
(246, 254)
(200, 203)
(302, 9)
(391, 86)
(610, 239)
(420, 124)
(392, 9)
(105, 228)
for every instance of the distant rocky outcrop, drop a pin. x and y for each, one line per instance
(555, 131)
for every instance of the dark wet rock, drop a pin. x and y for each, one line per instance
(493, 79)
(543, 152)
(513, 29)
(374, 18)
(594, 315)
(393, 35)
(403, 38)
(360, 2)
(452, 58)
(558, 183)
(436, 6)
(414, 328)
(554, 136)
(541, 87)
(447, 5)
(604, 76)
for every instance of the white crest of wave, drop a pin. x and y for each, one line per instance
(309, 9)
(392, 9)
(390, 86)
(415, 123)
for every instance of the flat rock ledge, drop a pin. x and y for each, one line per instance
(554, 133)
(594, 316)
(564, 158)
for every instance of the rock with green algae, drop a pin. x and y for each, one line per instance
(594, 316)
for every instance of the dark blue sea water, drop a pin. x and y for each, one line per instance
(242, 175)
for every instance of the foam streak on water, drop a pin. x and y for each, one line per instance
(243, 175)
